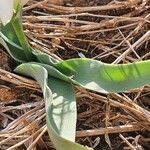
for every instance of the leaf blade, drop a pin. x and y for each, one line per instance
(60, 106)
(101, 77)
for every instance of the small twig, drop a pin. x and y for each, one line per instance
(27, 139)
(126, 141)
(18, 80)
(34, 5)
(109, 130)
(72, 10)
(38, 137)
(137, 44)
(107, 139)
(130, 46)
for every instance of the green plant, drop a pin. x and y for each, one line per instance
(57, 78)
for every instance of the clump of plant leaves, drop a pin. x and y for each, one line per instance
(57, 79)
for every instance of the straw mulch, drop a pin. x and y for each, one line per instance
(107, 30)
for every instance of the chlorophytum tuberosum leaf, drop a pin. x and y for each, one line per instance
(60, 106)
(98, 76)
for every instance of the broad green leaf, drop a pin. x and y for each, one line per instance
(101, 77)
(60, 106)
